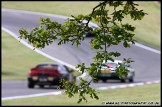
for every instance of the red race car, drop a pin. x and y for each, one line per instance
(48, 74)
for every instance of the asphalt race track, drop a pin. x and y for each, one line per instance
(146, 65)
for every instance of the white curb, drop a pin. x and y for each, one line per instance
(128, 85)
(33, 95)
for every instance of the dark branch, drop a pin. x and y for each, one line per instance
(103, 3)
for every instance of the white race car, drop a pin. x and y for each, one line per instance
(108, 72)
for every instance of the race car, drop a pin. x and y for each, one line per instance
(48, 74)
(109, 72)
(92, 26)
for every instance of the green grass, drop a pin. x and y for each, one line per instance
(146, 93)
(147, 30)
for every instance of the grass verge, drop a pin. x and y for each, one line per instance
(147, 93)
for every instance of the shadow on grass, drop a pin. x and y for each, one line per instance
(8, 73)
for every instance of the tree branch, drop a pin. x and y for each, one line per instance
(95, 9)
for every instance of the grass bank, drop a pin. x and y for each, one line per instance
(147, 93)
(147, 30)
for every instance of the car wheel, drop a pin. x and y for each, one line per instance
(60, 86)
(95, 80)
(123, 80)
(104, 80)
(131, 80)
(30, 85)
(41, 86)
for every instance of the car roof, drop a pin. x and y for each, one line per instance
(115, 61)
(90, 24)
(49, 63)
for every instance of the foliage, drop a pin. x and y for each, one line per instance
(111, 31)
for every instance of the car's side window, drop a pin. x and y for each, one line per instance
(66, 68)
(62, 69)
(128, 65)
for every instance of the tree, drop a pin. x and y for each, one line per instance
(111, 31)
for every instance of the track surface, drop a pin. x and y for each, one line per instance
(146, 65)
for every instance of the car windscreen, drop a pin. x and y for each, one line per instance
(47, 66)
(111, 65)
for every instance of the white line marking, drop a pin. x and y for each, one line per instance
(128, 85)
(102, 88)
(35, 13)
(139, 84)
(131, 85)
(32, 95)
(148, 48)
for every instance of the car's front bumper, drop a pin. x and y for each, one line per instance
(114, 76)
(108, 76)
